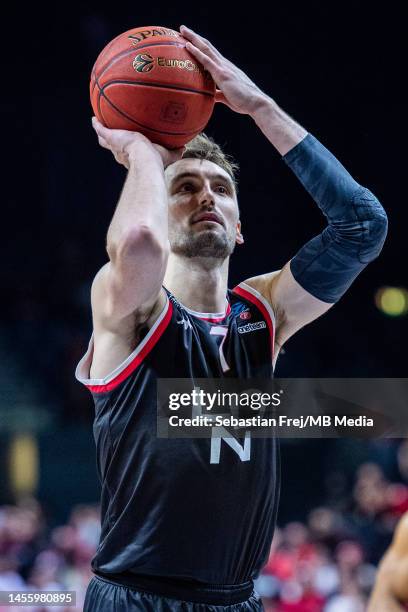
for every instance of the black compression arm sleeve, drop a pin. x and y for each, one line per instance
(357, 223)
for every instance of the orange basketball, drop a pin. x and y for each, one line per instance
(146, 81)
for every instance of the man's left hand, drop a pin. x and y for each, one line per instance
(235, 89)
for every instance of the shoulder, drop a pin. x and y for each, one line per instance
(247, 294)
(257, 289)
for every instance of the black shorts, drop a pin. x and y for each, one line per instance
(104, 595)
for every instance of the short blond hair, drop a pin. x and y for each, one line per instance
(204, 147)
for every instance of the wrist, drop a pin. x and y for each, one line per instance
(280, 129)
(142, 152)
(262, 104)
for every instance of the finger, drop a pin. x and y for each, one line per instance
(219, 97)
(104, 143)
(96, 123)
(100, 136)
(208, 63)
(120, 158)
(199, 41)
(100, 129)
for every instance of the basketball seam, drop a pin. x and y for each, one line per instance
(101, 94)
(158, 85)
(106, 49)
(100, 108)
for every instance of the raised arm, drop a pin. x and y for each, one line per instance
(137, 241)
(319, 274)
(324, 268)
(391, 587)
(127, 292)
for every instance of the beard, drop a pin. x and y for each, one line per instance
(207, 243)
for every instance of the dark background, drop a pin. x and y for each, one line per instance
(337, 68)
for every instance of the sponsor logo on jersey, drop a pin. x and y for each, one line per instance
(245, 315)
(249, 327)
(238, 307)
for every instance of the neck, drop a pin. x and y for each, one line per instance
(199, 283)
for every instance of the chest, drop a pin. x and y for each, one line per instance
(238, 346)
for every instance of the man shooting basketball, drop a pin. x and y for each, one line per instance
(187, 525)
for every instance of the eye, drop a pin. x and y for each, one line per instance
(186, 187)
(222, 189)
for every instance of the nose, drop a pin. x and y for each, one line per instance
(206, 197)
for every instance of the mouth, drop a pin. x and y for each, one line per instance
(208, 217)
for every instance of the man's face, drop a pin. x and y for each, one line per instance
(203, 209)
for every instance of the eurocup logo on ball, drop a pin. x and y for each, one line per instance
(143, 62)
(144, 72)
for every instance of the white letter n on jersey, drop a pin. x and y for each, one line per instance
(243, 452)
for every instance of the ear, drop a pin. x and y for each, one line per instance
(239, 239)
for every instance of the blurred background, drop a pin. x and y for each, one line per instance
(337, 69)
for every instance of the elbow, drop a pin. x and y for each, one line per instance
(375, 233)
(134, 241)
(371, 224)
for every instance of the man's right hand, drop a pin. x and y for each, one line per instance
(124, 144)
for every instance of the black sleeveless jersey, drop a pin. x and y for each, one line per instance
(183, 508)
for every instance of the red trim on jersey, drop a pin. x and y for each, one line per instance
(257, 302)
(139, 357)
(217, 319)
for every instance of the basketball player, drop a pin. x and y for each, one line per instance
(187, 524)
(391, 587)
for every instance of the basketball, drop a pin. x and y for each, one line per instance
(146, 81)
